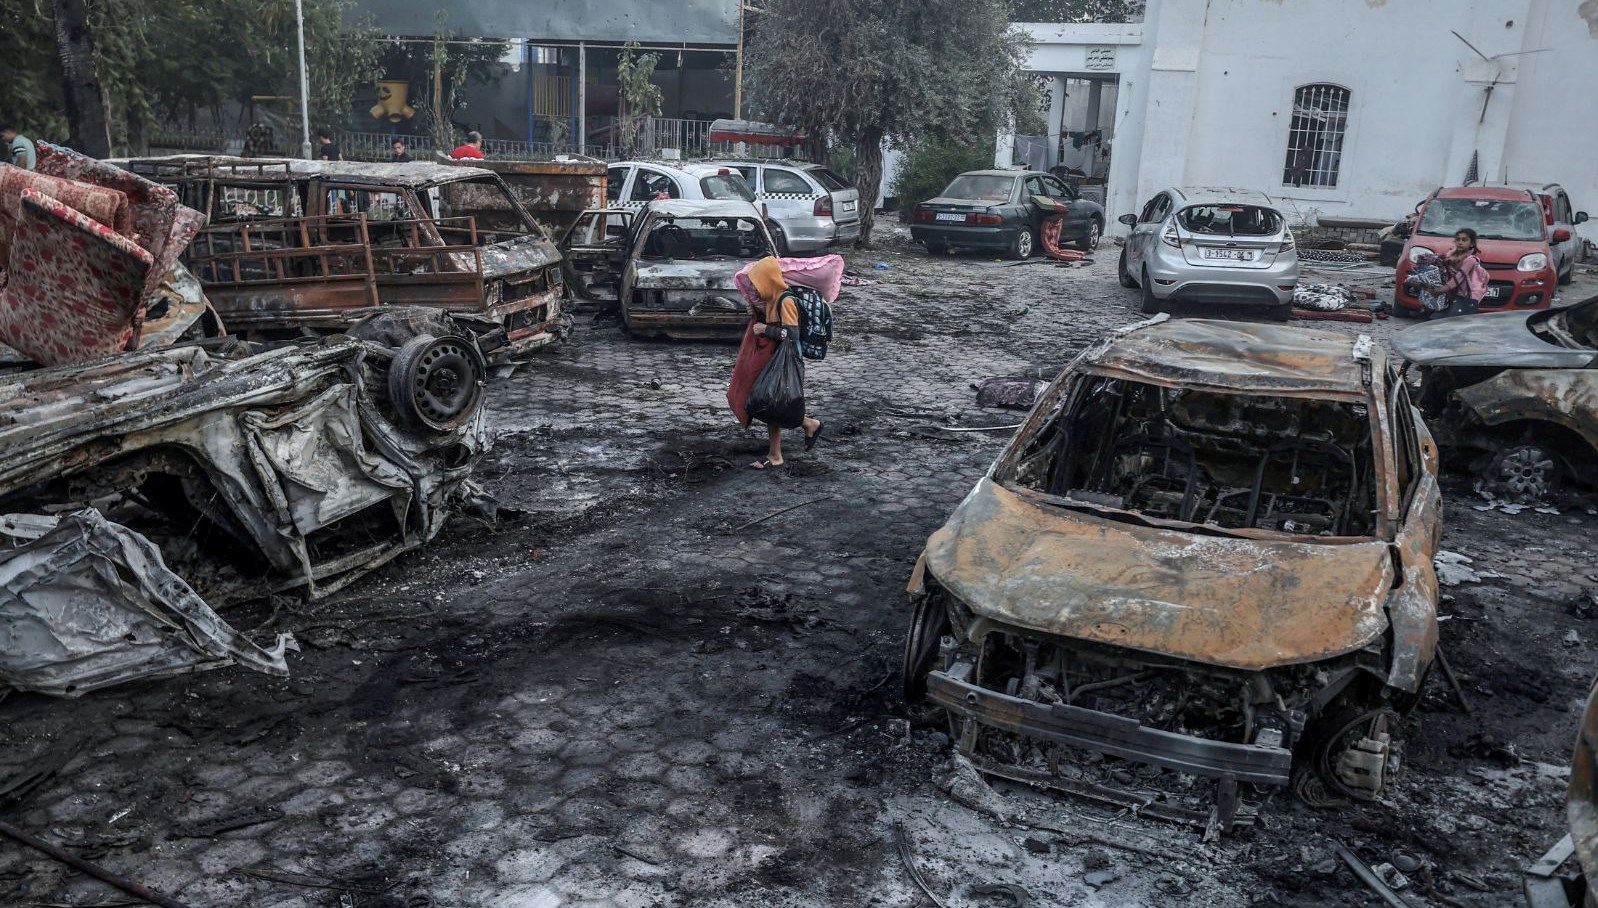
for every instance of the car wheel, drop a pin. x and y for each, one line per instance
(1282, 312)
(928, 624)
(1151, 303)
(1021, 247)
(1122, 274)
(935, 247)
(779, 240)
(436, 382)
(1090, 240)
(1525, 472)
(1568, 276)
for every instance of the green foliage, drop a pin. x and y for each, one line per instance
(456, 62)
(927, 167)
(167, 60)
(1077, 10)
(640, 97)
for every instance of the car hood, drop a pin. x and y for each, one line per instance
(1239, 603)
(1502, 339)
(688, 275)
(1493, 252)
(513, 258)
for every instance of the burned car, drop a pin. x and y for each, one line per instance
(1206, 555)
(316, 245)
(672, 268)
(141, 487)
(1514, 394)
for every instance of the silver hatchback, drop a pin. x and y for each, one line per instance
(1209, 247)
(808, 208)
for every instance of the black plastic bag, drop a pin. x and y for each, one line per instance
(778, 395)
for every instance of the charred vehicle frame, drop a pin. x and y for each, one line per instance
(316, 245)
(1206, 555)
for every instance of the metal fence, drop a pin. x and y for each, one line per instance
(608, 139)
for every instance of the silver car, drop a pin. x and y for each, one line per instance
(1211, 246)
(808, 208)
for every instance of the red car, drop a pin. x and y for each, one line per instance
(1510, 230)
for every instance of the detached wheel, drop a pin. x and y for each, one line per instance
(928, 624)
(1122, 274)
(1151, 303)
(436, 382)
(1090, 240)
(1023, 245)
(1525, 472)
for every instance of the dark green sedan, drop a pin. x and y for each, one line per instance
(1004, 210)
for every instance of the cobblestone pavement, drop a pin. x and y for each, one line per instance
(644, 689)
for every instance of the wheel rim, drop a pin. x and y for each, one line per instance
(1527, 472)
(1094, 234)
(444, 382)
(1023, 243)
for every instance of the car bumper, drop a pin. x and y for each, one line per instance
(1074, 726)
(1182, 282)
(683, 326)
(1514, 294)
(965, 237)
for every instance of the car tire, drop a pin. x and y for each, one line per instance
(929, 622)
(437, 382)
(1023, 245)
(935, 247)
(1525, 472)
(1282, 312)
(1151, 303)
(779, 240)
(1090, 240)
(1124, 275)
(1406, 312)
(1568, 276)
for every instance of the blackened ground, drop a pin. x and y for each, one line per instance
(651, 688)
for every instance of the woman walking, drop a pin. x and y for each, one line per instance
(774, 320)
(1466, 281)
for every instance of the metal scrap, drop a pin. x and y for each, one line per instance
(1369, 877)
(907, 855)
(95, 870)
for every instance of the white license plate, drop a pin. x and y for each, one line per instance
(1492, 293)
(1227, 255)
(950, 216)
(848, 206)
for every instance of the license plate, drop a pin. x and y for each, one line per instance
(1493, 293)
(848, 206)
(1227, 255)
(948, 216)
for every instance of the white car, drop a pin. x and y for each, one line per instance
(1211, 247)
(634, 184)
(808, 207)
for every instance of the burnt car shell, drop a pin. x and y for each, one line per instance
(1513, 394)
(1200, 521)
(319, 244)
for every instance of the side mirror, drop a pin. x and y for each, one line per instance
(1129, 220)
(1561, 235)
(1581, 217)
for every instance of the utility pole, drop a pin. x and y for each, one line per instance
(738, 75)
(305, 83)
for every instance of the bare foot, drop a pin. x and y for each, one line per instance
(768, 463)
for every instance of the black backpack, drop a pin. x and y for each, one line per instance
(815, 322)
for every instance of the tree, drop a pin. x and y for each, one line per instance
(1078, 11)
(442, 68)
(874, 71)
(639, 97)
(88, 113)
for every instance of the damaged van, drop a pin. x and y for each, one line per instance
(1513, 394)
(1200, 572)
(297, 245)
(671, 270)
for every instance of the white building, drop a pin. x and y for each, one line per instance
(1340, 108)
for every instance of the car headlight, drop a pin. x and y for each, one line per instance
(1415, 252)
(1535, 261)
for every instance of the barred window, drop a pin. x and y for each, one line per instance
(1315, 138)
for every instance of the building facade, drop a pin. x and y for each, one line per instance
(1339, 108)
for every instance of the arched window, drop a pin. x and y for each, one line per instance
(1315, 138)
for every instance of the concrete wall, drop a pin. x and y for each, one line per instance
(1207, 86)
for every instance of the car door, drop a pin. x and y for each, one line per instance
(1148, 223)
(618, 184)
(594, 252)
(1078, 213)
(1412, 605)
(1564, 219)
(1033, 212)
(649, 185)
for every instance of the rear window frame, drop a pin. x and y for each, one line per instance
(733, 179)
(1180, 219)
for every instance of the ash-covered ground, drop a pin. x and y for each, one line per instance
(642, 689)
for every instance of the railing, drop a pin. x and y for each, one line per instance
(608, 139)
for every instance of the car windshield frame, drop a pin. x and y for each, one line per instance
(704, 228)
(1064, 401)
(965, 185)
(1563, 328)
(728, 187)
(1446, 217)
(1275, 222)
